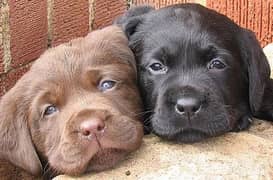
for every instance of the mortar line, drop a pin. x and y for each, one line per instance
(91, 9)
(5, 35)
(49, 22)
(129, 3)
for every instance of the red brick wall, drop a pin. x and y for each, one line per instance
(105, 10)
(9, 79)
(256, 15)
(29, 27)
(28, 30)
(70, 19)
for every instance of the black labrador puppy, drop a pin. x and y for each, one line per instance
(200, 74)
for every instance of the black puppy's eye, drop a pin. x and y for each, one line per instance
(50, 110)
(216, 64)
(158, 68)
(106, 85)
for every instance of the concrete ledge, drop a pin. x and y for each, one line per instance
(244, 155)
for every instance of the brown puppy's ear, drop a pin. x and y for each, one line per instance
(16, 145)
(258, 68)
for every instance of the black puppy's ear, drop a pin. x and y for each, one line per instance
(258, 68)
(15, 140)
(266, 110)
(131, 19)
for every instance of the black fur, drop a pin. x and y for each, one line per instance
(190, 99)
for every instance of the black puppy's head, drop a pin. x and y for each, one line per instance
(200, 74)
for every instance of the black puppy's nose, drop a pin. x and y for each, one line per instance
(187, 106)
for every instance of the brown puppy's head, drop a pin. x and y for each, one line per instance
(76, 109)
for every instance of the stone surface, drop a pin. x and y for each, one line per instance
(244, 155)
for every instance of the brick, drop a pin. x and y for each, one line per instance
(7, 81)
(267, 23)
(70, 19)
(2, 85)
(256, 15)
(107, 10)
(28, 30)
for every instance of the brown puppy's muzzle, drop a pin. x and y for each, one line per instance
(94, 140)
(109, 129)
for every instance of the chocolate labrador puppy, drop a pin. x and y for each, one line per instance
(76, 110)
(200, 74)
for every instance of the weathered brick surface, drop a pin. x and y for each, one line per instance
(256, 15)
(107, 10)
(7, 81)
(70, 19)
(28, 30)
(1, 57)
(2, 85)
(161, 3)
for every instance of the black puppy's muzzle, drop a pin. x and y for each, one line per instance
(190, 110)
(181, 114)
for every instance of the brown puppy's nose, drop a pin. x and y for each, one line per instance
(187, 106)
(92, 126)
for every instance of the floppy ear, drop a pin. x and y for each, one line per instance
(266, 110)
(16, 145)
(258, 69)
(131, 19)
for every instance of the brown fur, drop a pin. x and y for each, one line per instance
(68, 77)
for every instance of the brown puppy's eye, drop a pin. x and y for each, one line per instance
(50, 110)
(216, 64)
(106, 85)
(157, 68)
